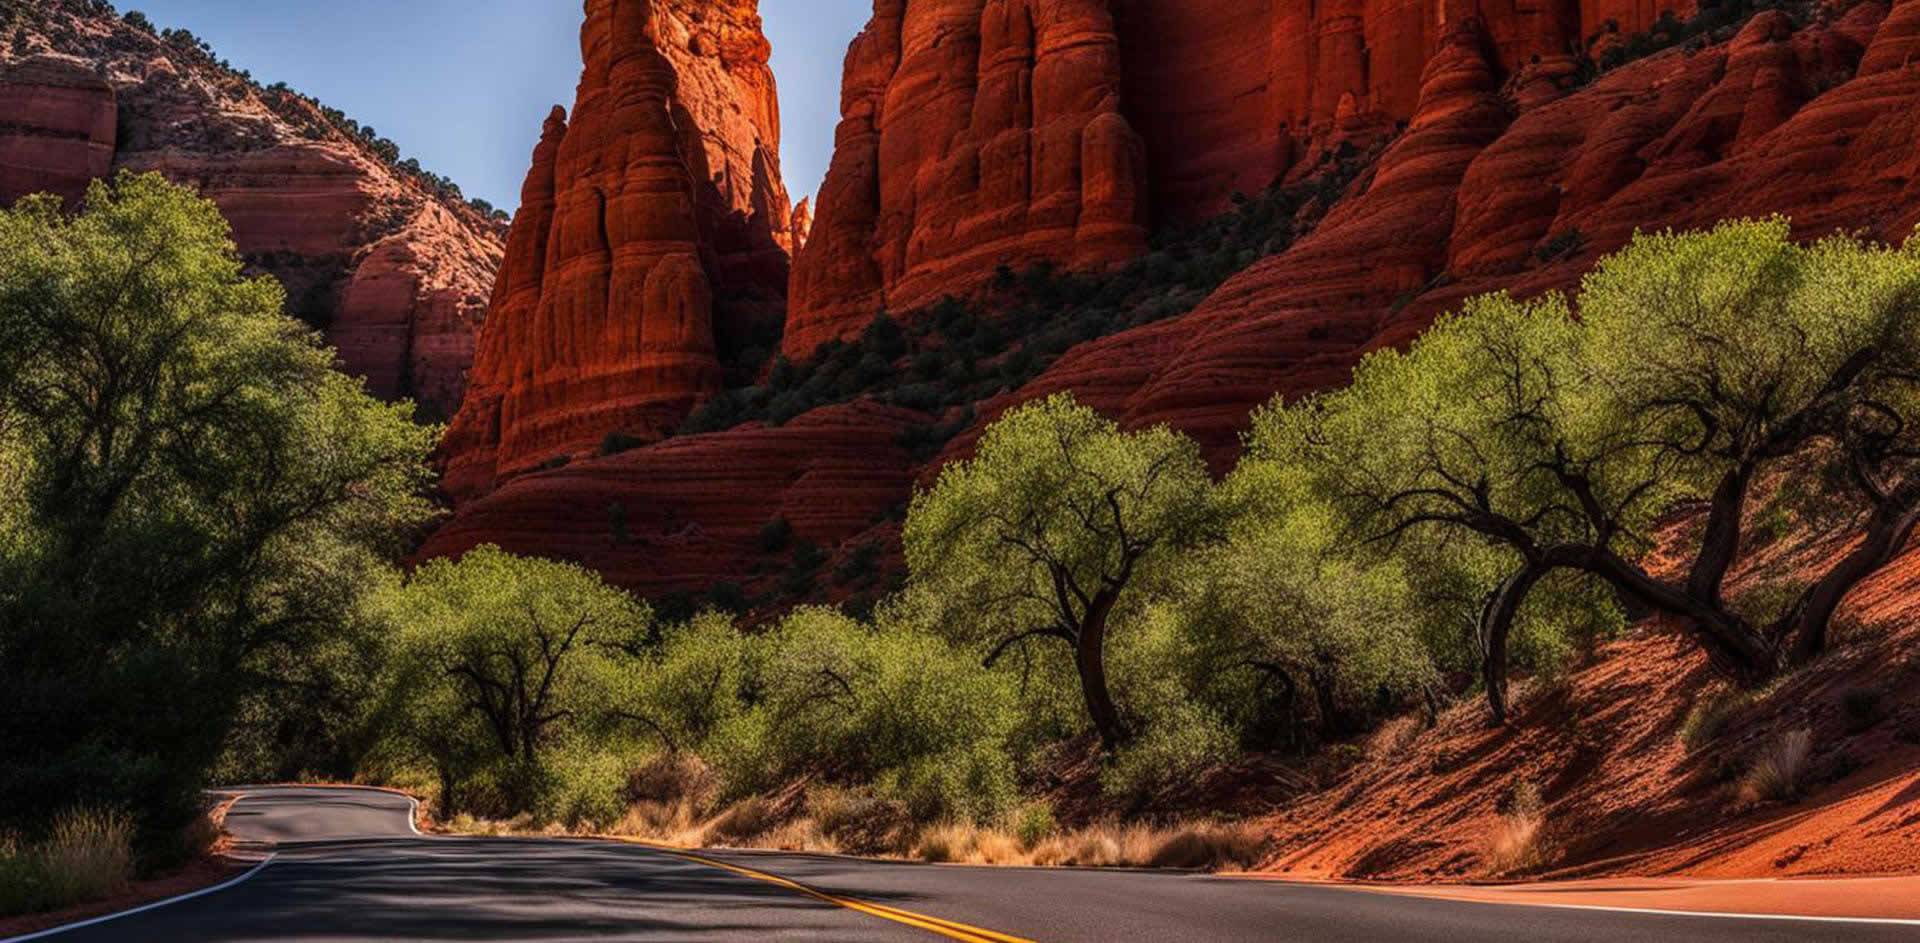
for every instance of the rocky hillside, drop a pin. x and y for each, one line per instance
(386, 258)
(651, 244)
(1421, 156)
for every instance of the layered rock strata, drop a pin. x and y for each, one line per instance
(661, 192)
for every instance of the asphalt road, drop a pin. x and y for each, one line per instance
(350, 867)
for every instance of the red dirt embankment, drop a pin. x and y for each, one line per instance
(1620, 792)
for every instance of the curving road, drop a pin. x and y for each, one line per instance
(349, 867)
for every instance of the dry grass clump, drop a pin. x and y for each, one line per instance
(861, 823)
(1203, 846)
(1515, 844)
(675, 822)
(1210, 847)
(1780, 770)
(1393, 738)
(88, 856)
(744, 821)
(670, 778)
(1712, 714)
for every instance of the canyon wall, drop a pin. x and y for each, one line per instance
(1521, 186)
(661, 194)
(395, 273)
(981, 133)
(1503, 173)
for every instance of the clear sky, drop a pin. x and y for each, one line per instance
(464, 85)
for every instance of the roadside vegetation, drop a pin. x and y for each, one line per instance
(201, 523)
(1486, 505)
(193, 507)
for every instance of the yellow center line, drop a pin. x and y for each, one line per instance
(950, 929)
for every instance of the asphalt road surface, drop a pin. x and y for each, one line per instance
(350, 867)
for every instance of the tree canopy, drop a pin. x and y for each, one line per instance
(188, 491)
(1694, 364)
(1041, 535)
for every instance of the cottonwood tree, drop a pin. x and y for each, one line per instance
(1042, 536)
(1696, 363)
(191, 498)
(498, 656)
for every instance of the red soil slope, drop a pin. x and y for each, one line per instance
(1623, 795)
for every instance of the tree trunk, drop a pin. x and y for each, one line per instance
(1888, 530)
(1498, 627)
(1734, 647)
(1091, 658)
(1720, 544)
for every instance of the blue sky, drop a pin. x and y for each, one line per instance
(463, 85)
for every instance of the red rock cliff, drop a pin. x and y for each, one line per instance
(977, 133)
(1524, 190)
(1507, 175)
(662, 190)
(396, 274)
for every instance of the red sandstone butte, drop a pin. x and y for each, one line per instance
(395, 274)
(662, 192)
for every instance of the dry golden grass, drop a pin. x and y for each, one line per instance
(1516, 841)
(1199, 846)
(839, 821)
(744, 821)
(88, 856)
(1780, 770)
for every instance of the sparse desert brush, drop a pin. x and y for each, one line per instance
(1035, 823)
(1516, 842)
(803, 834)
(1780, 769)
(675, 822)
(1209, 846)
(1712, 714)
(669, 777)
(89, 855)
(1393, 738)
(992, 846)
(744, 820)
(941, 843)
(861, 823)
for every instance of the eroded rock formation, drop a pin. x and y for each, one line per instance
(395, 273)
(1503, 173)
(978, 133)
(1476, 198)
(662, 190)
(975, 133)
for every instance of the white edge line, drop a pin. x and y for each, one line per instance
(1607, 908)
(413, 812)
(1713, 914)
(146, 907)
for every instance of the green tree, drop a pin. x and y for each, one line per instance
(1696, 363)
(499, 658)
(1043, 534)
(190, 496)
